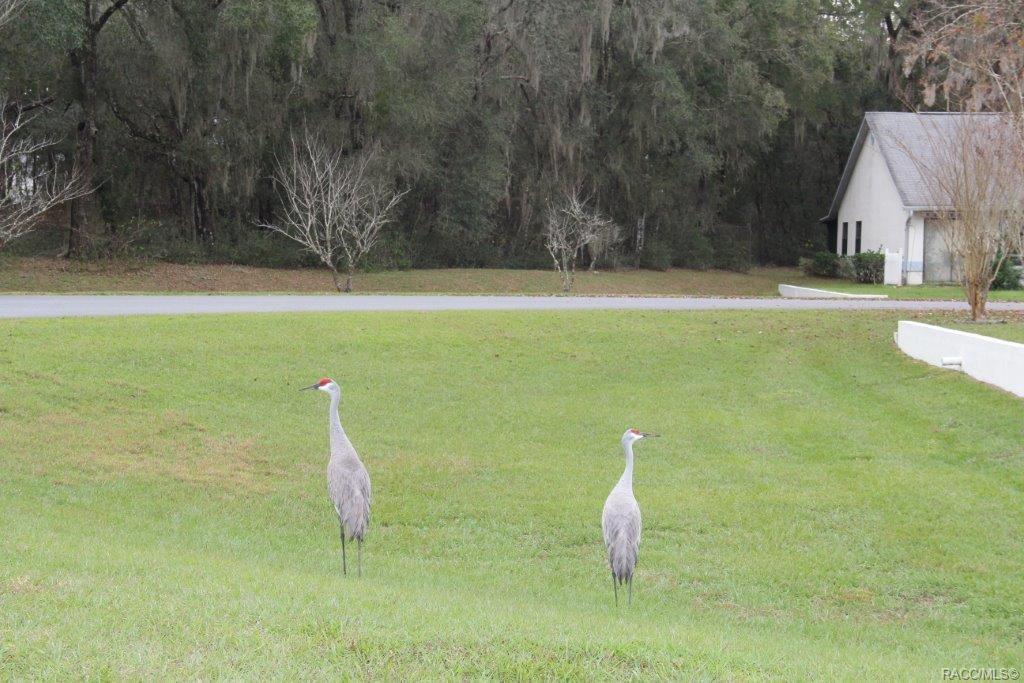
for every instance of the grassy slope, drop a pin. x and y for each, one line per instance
(56, 275)
(819, 506)
(929, 291)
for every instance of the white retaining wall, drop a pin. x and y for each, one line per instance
(994, 361)
(794, 292)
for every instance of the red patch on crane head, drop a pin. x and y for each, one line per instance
(634, 430)
(324, 381)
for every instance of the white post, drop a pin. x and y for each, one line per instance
(893, 268)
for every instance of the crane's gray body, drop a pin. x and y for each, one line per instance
(622, 525)
(621, 522)
(348, 483)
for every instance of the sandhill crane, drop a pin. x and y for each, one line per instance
(348, 484)
(621, 520)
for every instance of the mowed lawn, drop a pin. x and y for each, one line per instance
(943, 292)
(20, 274)
(27, 274)
(819, 506)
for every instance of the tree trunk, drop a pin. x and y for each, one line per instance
(86, 68)
(977, 297)
(346, 13)
(348, 280)
(641, 235)
(336, 278)
(202, 215)
(85, 65)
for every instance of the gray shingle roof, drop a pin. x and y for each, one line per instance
(897, 133)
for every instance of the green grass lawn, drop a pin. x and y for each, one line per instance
(819, 506)
(928, 291)
(24, 274)
(20, 274)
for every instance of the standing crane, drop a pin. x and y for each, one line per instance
(620, 521)
(348, 484)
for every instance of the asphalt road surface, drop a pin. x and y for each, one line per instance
(58, 306)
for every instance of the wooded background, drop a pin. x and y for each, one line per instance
(716, 129)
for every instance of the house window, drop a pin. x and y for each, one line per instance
(856, 240)
(846, 237)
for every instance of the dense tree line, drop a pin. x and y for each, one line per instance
(711, 132)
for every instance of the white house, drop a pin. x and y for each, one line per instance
(883, 203)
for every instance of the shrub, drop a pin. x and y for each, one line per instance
(1007, 276)
(691, 248)
(846, 269)
(869, 267)
(257, 248)
(822, 264)
(731, 247)
(656, 255)
(734, 256)
(393, 252)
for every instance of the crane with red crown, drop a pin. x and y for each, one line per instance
(348, 483)
(620, 520)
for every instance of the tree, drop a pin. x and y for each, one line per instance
(29, 186)
(605, 245)
(972, 166)
(9, 8)
(333, 205)
(683, 117)
(570, 227)
(969, 57)
(84, 58)
(196, 86)
(971, 54)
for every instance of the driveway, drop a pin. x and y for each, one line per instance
(58, 306)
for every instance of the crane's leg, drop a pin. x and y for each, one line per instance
(615, 587)
(630, 589)
(359, 566)
(344, 569)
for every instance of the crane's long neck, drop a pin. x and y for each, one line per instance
(340, 445)
(626, 480)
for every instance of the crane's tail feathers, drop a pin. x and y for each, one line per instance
(622, 557)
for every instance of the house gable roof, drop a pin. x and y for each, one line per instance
(897, 133)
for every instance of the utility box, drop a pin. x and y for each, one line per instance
(893, 268)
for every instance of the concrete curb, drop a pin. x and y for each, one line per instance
(794, 292)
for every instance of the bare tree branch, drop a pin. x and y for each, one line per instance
(333, 205)
(970, 52)
(101, 21)
(975, 176)
(28, 188)
(9, 8)
(572, 226)
(13, 108)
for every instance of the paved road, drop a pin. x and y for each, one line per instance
(55, 306)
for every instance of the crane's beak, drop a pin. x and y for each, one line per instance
(311, 386)
(648, 435)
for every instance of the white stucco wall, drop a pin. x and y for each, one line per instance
(994, 361)
(872, 198)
